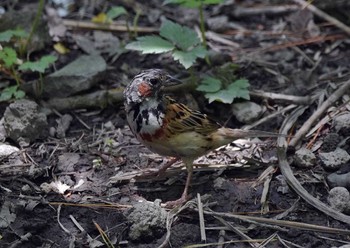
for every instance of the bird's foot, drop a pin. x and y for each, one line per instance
(172, 204)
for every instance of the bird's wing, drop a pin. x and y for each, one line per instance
(180, 118)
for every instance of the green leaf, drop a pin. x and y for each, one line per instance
(150, 44)
(222, 96)
(7, 35)
(116, 12)
(240, 88)
(188, 58)
(7, 93)
(234, 90)
(8, 56)
(19, 94)
(182, 37)
(210, 84)
(193, 3)
(39, 65)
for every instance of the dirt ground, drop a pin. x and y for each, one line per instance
(60, 191)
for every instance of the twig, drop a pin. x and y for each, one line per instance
(89, 238)
(109, 27)
(282, 97)
(201, 218)
(269, 117)
(58, 220)
(323, 15)
(170, 220)
(237, 231)
(267, 10)
(221, 239)
(290, 224)
(317, 114)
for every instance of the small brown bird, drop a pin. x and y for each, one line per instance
(170, 128)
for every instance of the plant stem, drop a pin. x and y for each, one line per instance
(38, 15)
(202, 28)
(136, 20)
(15, 75)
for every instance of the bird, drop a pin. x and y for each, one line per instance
(172, 129)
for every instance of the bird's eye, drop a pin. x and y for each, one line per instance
(154, 81)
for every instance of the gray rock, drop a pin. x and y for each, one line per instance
(304, 158)
(339, 199)
(339, 180)
(218, 23)
(24, 122)
(7, 150)
(341, 123)
(247, 112)
(148, 221)
(333, 160)
(2, 130)
(81, 74)
(330, 142)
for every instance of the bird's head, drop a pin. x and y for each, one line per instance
(147, 85)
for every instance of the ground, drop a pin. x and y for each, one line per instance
(87, 185)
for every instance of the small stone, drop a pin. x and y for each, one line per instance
(7, 150)
(333, 160)
(339, 199)
(330, 142)
(24, 122)
(25, 188)
(218, 23)
(304, 158)
(339, 180)
(247, 112)
(341, 124)
(219, 183)
(148, 221)
(79, 75)
(109, 126)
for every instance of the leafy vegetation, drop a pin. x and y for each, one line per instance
(199, 5)
(11, 64)
(186, 47)
(183, 43)
(225, 87)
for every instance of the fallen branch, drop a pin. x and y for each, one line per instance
(265, 10)
(109, 27)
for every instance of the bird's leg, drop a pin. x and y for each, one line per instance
(165, 166)
(161, 170)
(184, 196)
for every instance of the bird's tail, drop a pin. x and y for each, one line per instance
(224, 135)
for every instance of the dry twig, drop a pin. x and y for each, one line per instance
(329, 102)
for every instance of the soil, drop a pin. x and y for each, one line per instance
(99, 157)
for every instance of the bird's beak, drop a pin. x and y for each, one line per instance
(170, 81)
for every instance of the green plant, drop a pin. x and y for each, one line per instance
(10, 64)
(182, 42)
(225, 86)
(115, 12)
(199, 5)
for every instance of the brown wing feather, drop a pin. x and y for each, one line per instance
(180, 118)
